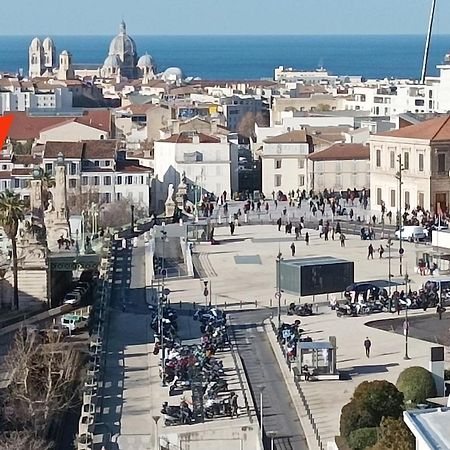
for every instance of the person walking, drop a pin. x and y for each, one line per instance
(293, 249)
(232, 227)
(381, 251)
(342, 239)
(367, 345)
(234, 405)
(267, 208)
(279, 223)
(284, 211)
(276, 204)
(338, 228)
(370, 252)
(307, 238)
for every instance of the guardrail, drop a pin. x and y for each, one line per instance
(297, 377)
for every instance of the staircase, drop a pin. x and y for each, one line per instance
(32, 287)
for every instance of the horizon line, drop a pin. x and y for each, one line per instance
(232, 34)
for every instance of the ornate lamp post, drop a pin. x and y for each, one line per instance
(406, 322)
(278, 293)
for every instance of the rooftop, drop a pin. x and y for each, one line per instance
(340, 152)
(433, 130)
(291, 137)
(101, 149)
(188, 138)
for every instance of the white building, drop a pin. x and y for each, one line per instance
(340, 167)
(424, 149)
(285, 163)
(430, 427)
(209, 162)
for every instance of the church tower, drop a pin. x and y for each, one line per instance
(49, 55)
(65, 71)
(36, 60)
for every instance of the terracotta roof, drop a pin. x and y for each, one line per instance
(136, 109)
(25, 127)
(101, 149)
(26, 160)
(339, 152)
(22, 171)
(4, 175)
(291, 137)
(131, 167)
(434, 130)
(187, 137)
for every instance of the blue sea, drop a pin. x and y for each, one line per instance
(253, 57)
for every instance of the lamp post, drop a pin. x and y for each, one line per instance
(278, 293)
(156, 419)
(406, 323)
(132, 217)
(399, 209)
(272, 435)
(389, 245)
(161, 302)
(261, 388)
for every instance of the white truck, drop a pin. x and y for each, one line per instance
(74, 322)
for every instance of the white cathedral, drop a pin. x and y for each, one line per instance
(122, 61)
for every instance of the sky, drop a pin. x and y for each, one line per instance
(212, 17)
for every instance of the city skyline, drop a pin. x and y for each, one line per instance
(325, 17)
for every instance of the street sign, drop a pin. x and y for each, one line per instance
(164, 272)
(286, 334)
(166, 291)
(407, 302)
(401, 251)
(278, 295)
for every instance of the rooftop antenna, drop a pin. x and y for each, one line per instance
(427, 43)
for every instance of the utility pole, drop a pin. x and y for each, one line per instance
(399, 210)
(427, 43)
(278, 293)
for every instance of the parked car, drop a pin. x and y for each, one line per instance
(72, 298)
(412, 233)
(73, 322)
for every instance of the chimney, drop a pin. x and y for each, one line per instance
(195, 138)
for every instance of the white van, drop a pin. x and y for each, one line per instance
(412, 233)
(73, 322)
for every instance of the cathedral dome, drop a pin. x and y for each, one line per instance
(146, 61)
(48, 43)
(173, 74)
(112, 61)
(123, 44)
(35, 44)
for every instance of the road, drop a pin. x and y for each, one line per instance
(262, 368)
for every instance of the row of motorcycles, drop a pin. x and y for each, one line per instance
(289, 335)
(196, 368)
(300, 310)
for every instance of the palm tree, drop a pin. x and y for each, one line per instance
(11, 212)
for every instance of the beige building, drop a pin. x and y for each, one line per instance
(340, 167)
(424, 150)
(284, 162)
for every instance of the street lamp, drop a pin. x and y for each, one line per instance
(272, 435)
(389, 245)
(399, 209)
(161, 301)
(132, 217)
(278, 293)
(156, 419)
(261, 388)
(406, 322)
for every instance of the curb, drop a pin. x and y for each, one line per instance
(289, 380)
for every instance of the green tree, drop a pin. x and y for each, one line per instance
(362, 438)
(354, 417)
(393, 434)
(11, 212)
(417, 384)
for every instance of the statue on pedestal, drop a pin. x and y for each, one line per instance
(181, 195)
(31, 241)
(57, 214)
(170, 204)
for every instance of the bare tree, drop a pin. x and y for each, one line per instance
(246, 126)
(118, 213)
(44, 379)
(23, 440)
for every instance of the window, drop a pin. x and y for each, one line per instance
(278, 164)
(4, 167)
(107, 197)
(407, 201)
(420, 162)
(107, 181)
(277, 180)
(406, 161)
(16, 183)
(129, 179)
(118, 196)
(441, 162)
(392, 159)
(107, 163)
(97, 163)
(141, 178)
(72, 183)
(379, 196)
(84, 181)
(378, 158)
(393, 198)
(119, 180)
(73, 169)
(421, 199)
(301, 180)
(48, 168)
(96, 181)
(301, 163)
